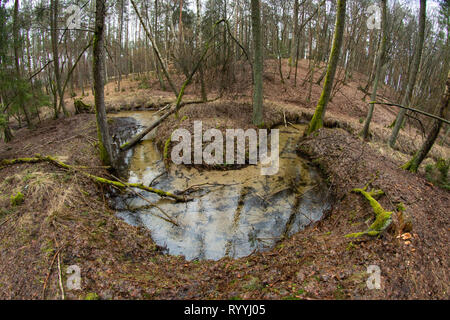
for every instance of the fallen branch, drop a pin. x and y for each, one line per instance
(411, 109)
(117, 184)
(128, 145)
(50, 271)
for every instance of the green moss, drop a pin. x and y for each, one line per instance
(166, 149)
(253, 284)
(437, 174)
(383, 218)
(17, 200)
(92, 296)
(351, 246)
(401, 207)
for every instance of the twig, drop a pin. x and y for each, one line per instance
(295, 127)
(50, 271)
(60, 278)
(206, 185)
(156, 178)
(411, 109)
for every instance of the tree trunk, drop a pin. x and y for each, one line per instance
(105, 145)
(294, 47)
(16, 57)
(258, 64)
(414, 164)
(199, 45)
(119, 49)
(413, 75)
(54, 38)
(379, 63)
(155, 58)
(317, 120)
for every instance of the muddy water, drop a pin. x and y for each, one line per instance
(234, 213)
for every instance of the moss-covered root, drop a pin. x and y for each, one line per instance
(81, 107)
(383, 218)
(120, 185)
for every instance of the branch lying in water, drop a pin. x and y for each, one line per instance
(38, 158)
(167, 218)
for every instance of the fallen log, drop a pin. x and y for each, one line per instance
(128, 145)
(120, 185)
(172, 109)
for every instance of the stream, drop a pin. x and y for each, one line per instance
(233, 213)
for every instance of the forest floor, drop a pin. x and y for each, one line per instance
(65, 220)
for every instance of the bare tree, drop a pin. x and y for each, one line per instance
(379, 63)
(105, 145)
(413, 74)
(258, 64)
(414, 164)
(317, 120)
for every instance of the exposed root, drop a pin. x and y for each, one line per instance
(383, 218)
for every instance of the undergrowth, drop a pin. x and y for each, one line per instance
(438, 173)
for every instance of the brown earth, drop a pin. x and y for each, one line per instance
(65, 215)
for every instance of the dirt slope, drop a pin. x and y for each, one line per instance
(65, 214)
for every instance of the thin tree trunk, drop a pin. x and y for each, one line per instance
(258, 64)
(294, 48)
(317, 120)
(16, 57)
(119, 55)
(155, 48)
(199, 45)
(54, 38)
(414, 164)
(155, 60)
(413, 75)
(105, 145)
(379, 62)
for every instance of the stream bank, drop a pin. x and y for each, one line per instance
(234, 213)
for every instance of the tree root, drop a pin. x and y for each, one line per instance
(383, 218)
(38, 158)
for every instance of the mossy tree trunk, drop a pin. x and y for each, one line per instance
(379, 64)
(414, 164)
(317, 120)
(258, 64)
(105, 145)
(412, 76)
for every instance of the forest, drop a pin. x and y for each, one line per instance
(224, 150)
